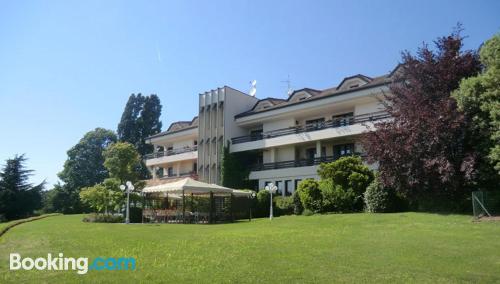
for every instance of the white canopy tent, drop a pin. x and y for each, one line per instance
(189, 185)
(192, 193)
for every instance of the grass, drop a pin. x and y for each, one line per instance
(402, 247)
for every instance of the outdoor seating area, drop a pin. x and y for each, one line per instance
(189, 201)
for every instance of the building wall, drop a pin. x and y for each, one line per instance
(217, 109)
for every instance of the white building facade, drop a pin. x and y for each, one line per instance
(289, 137)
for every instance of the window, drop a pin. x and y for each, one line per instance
(343, 150)
(279, 187)
(315, 123)
(288, 187)
(195, 167)
(195, 142)
(343, 119)
(170, 171)
(297, 181)
(256, 134)
(266, 183)
(310, 153)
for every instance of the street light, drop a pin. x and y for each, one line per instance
(271, 188)
(252, 196)
(129, 187)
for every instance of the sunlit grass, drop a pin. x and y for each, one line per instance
(404, 247)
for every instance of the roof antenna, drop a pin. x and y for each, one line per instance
(288, 82)
(253, 89)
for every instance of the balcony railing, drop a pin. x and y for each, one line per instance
(193, 175)
(170, 152)
(298, 163)
(337, 122)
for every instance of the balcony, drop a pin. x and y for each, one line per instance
(334, 123)
(297, 163)
(170, 156)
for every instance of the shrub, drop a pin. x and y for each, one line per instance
(336, 199)
(263, 197)
(104, 218)
(307, 212)
(376, 198)
(351, 176)
(135, 215)
(284, 204)
(297, 204)
(310, 195)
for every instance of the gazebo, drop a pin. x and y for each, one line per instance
(191, 201)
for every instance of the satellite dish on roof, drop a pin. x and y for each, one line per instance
(253, 89)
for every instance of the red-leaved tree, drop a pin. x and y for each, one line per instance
(423, 152)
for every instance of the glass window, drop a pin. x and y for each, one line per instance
(343, 150)
(343, 119)
(279, 187)
(288, 187)
(297, 181)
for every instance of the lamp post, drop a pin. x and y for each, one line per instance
(252, 196)
(271, 188)
(129, 186)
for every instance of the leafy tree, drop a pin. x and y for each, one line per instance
(18, 197)
(63, 200)
(97, 197)
(140, 119)
(121, 160)
(84, 166)
(235, 170)
(422, 152)
(479, 98)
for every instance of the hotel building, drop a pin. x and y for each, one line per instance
(289, 137)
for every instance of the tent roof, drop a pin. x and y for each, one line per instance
(187, 185)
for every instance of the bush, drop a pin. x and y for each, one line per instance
(310, 195)
(297, 204)
(263, 197)
(307, 212)
(376, 198)
(104, 218)
(335, 199)
(352, 176)
(284, 204)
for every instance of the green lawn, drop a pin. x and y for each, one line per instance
(403, 247)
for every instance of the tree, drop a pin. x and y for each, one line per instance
(140, 119)
(235, 170)
(83, 168)
(479, 98)
(121, 160)
(102, 197)
(422, 152)
(61, 199)
(18, 197)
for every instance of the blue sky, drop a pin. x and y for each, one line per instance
(67, 67)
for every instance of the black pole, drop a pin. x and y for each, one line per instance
(232, 207)
(143, 203)
(210, 217)
(183, 207)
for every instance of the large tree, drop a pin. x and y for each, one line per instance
(18, 197)
(84, 166)
(140, 119)
(121, 160)
(423, 152)
(479, 98)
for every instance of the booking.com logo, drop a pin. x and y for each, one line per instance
(81, 264)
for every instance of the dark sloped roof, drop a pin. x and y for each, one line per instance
(330, 92)
(178, 126)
